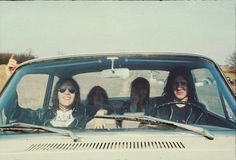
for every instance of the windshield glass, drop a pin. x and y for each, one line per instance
(69, 93)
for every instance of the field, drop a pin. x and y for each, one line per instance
(231, 73)
(2, 76)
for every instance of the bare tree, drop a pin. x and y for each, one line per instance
(231, 60)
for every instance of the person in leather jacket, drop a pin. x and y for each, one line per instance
(179, 101)
(66, 110)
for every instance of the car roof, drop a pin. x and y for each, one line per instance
(70, 65)
(119, 54)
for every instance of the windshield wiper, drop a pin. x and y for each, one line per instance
(35, 128)
(157, 121)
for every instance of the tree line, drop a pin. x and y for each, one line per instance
(4, 57)
(231, 60)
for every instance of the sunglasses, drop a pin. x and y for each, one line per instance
(180, 83)
(71, 90)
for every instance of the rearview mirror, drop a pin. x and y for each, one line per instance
(115, 73)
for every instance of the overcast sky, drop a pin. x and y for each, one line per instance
(52, 28)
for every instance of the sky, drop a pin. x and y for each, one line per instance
(54, 28)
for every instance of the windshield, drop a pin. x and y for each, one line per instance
(69, 93)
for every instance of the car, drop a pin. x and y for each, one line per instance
(140, 136)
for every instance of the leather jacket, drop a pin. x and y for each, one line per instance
(195, 114)
(43, 116)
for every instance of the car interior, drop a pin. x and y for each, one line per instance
(115, 75)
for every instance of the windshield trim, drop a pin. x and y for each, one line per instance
(157, 121)
(25, 126)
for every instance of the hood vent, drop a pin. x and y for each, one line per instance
(105, 146)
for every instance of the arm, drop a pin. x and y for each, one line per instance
(11, 66)
(103, 110)
(15, 113)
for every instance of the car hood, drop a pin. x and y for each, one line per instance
(118, 145)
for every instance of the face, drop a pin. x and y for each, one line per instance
(66, 95)
(98, 97)
(180, 88)
(137, 94)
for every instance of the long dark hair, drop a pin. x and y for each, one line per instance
(91, 94)
(186, 74)
(144, 84)
(61, 81)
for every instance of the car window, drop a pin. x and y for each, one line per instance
(31, 90)
(121, 87)
(207, 91)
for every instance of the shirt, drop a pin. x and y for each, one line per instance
(62, 119)
(179, 114)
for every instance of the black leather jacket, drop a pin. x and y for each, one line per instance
(195, 114)
(44, 116)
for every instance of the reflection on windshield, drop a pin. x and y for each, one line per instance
(41, 99)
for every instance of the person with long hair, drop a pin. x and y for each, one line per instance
(66, 110)
(97, 104)
(179, 102)
(139, 97)
(97, 99)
